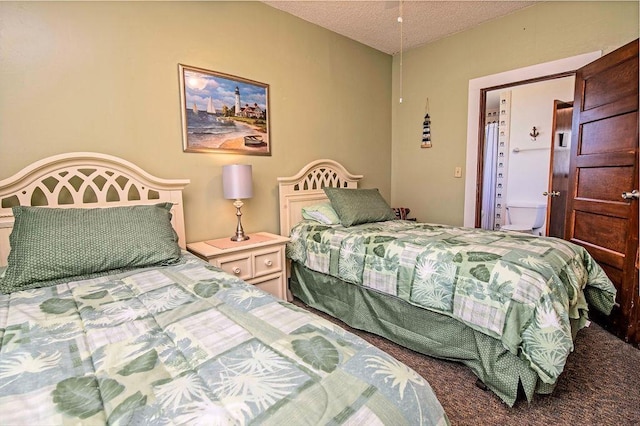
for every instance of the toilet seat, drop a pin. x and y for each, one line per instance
(516, 227)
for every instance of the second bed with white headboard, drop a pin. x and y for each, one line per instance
(491, 300)
(305, 188)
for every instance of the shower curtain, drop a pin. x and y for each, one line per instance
(489, 176)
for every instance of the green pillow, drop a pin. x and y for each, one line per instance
(49, 245)
(322, 213)
(356, 206)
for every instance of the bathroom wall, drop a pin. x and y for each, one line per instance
(529, 160)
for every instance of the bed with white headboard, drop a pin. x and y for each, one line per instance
(305, 188)
(86, 180)
(432, 287)
(113, 335)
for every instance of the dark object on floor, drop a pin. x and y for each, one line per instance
(481, 385)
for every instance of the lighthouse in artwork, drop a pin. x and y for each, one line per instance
(237, 101)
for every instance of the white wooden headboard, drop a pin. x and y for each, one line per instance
(86, 180)
(305, 188)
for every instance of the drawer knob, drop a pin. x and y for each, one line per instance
(268, 262)
(236, 270)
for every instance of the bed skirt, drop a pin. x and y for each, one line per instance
(423, 331)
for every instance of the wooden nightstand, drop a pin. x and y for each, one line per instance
(260, 260)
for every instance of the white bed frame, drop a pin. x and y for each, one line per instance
(86, 180)
(305, 188)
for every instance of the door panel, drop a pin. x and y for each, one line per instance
(604, 183)
(588, 229)
(604, 163)
(625, 127)
(615, 274)
(610, 84)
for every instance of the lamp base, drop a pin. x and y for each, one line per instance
(240, 235)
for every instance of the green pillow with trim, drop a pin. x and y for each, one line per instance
(356, 206)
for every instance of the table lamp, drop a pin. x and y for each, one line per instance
(237, 185)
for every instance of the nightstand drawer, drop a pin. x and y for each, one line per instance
(239, 266)
(271, 284)
(267, 262)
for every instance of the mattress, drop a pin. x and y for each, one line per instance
(190, 344)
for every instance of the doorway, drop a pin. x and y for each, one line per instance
(530, 73)
(516, 159)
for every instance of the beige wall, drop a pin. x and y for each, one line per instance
(103, 76)
(423, 178)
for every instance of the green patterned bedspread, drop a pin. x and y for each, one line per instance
(190, 344)
(522, 289)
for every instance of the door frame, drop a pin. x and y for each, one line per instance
(475, 116)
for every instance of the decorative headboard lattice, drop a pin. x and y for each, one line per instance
(85, 180)
(81, 185)
(319, 178)
(305, 188)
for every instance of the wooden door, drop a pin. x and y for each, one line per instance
(559, 169)
(604, 165)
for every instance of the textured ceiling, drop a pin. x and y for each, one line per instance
(375, 23)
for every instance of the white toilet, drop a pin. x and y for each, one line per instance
(525, 217)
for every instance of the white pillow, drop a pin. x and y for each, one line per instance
(322, 213)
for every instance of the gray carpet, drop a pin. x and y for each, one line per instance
(599, 386)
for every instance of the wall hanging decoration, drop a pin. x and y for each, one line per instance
(223, 113)
(534, 133)
(426, 128)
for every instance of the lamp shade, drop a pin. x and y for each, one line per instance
(236, 181)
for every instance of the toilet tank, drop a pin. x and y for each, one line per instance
(532, 215)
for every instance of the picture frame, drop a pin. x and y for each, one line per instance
(222, 113)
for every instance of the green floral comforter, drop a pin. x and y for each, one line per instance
(190, 344)
(526, 291)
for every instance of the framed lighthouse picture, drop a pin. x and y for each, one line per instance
(223, 113)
